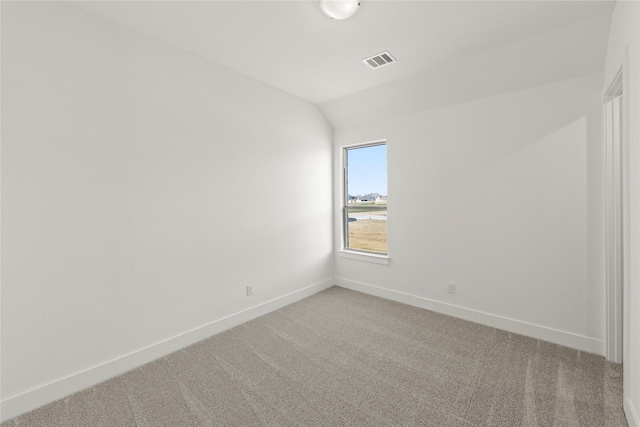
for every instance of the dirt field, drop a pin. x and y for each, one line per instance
(368, 235)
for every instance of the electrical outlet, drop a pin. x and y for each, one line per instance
(452, 288)
(249, 290)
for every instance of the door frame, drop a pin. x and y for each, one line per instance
(616, 211)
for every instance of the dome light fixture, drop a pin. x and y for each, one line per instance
(340, 9)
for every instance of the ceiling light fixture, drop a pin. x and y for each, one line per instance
(340, 9)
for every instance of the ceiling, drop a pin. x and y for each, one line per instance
(293, 46)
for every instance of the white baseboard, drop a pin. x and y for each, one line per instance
(32, 399)
(632, 413)
(568, 339)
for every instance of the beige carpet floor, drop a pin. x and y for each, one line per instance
(342, 358)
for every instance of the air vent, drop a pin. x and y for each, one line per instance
(379, 60)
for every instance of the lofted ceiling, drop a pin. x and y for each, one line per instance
(293, 46)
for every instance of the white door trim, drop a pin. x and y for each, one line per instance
(616, 217)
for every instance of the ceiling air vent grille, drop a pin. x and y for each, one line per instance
(379, 60)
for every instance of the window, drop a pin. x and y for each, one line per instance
(365, 198)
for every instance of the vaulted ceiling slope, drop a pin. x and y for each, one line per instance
(565, 53)
(293, 46)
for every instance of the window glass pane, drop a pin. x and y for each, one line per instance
(366, 198)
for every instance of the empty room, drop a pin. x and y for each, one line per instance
(321, 213)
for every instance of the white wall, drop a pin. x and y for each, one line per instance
(143, 187)
(501, 196)
(624, 50)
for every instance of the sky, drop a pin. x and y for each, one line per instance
(367, 168)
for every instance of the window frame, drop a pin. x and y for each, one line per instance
(346, 251)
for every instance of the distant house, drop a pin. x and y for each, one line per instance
(381, 200)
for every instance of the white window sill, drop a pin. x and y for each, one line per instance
(363, 256)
